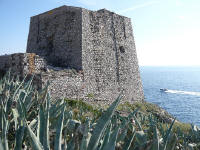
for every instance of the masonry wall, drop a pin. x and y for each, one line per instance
(56, 36)
(109, 57)
(4, 64)
(65, 83)
(4, 61)
(100, 44)
(22, 64)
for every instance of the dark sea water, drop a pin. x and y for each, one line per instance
(182, 99)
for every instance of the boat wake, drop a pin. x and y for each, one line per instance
(183, 92)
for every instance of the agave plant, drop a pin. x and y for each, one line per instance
(30, 119)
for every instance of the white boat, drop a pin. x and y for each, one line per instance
(163, 90)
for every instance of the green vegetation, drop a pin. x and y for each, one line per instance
(90, 95)
(28, 119)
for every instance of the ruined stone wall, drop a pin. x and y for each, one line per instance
(4, 65)
(66, 83)
(4, 61)
(56, 35)
(22, 64)
(15, 62)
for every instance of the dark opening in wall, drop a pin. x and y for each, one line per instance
(122, 50)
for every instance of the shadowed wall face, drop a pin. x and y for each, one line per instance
(56, 35)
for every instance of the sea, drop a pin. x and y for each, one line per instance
(182, 98)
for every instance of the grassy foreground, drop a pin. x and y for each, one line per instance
(28, 120)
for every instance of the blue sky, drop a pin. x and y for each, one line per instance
(167, 32)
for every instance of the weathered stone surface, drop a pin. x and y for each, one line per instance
(22, 64)
(66, 83)
(85, 54)
(109, 57)
(56, 35)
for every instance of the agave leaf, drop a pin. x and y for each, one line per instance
(46, 133)
(22, 109)
(58, 137)
(156, 140)
(128, 142)
(132, 114)
(72, 125)
(168, 135)
(19, 138)
(28, 84)
(162, 131)
(68, 116)
(114, 122)
(3, 107)
(122, 135)
(18, 88)
(112, 141)
(43, 94)
(8, 107)
(152, 125)
(86, 136)
(29, 101)
(33, 123)
(71, 144)
(1, 118)
(190, 147)
(22, 95)
(137, 122)
(102, 124)
(106, 137)
(172, 143)
(41, 124)
(55, 109)
(124, 124)
(141, 138)
(1, 145)
(15, 115)
(5, 126)
(35, 143)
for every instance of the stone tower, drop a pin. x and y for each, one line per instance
(98, 45)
